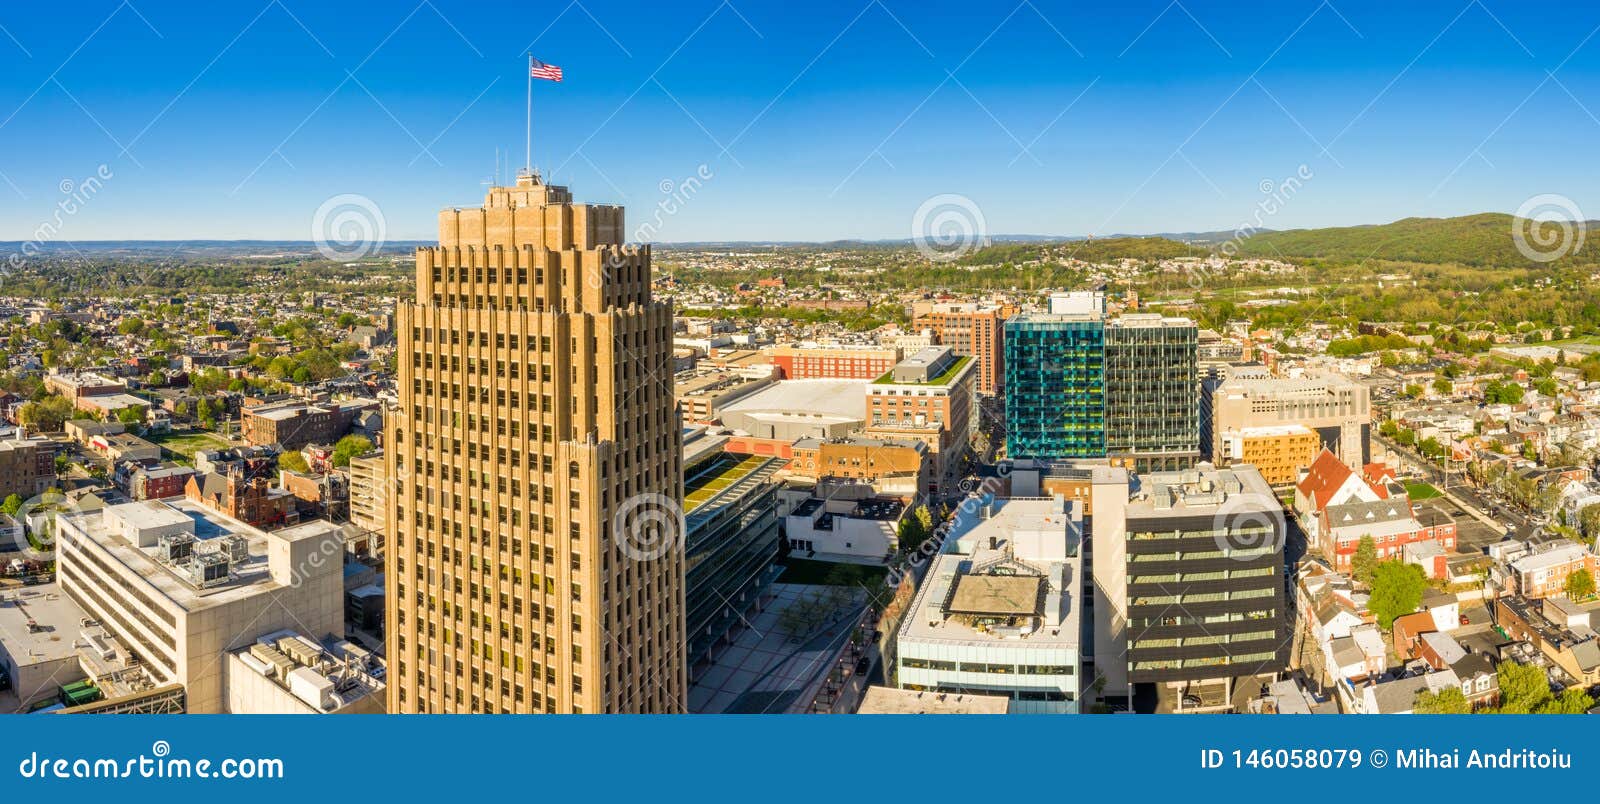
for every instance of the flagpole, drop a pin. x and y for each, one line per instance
(528, 166)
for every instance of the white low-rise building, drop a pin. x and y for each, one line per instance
(998, 611)
(181, 585)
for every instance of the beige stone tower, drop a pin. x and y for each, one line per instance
(536, 429)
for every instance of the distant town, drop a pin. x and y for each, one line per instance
(533, 469)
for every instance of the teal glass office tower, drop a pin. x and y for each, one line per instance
(1055, 387)
(1079, 386)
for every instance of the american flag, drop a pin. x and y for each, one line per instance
(548, 72)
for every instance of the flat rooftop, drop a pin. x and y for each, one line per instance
(722, 475)
(891, 701)
(38, 624)
(842, 400)
(247, 577)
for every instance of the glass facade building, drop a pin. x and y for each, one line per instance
(1078, 386)
(1152, 411)
(731, 525)
(1055, 387)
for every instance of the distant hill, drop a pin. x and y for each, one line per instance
(1483, 240)
(1107, 249)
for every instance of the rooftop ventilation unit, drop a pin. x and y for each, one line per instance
(175, 547)
(236, 547)
(205, 570)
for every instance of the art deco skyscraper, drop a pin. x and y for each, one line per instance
(535, 561)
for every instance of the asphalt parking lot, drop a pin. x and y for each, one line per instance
(1472, 536)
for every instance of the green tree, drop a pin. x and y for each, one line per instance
(45, 415)
(351, 446)
(1580, 584)
(1397, 589)
(1365, 561)
(293, 462)
(1523, 688)
(1449, 701)
(12, 505)
(131, 416)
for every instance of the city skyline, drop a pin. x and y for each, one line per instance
(832, 122)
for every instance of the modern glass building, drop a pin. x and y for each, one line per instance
(1055, 386)
(1152, 411)
(1079, 386)
(731, 522)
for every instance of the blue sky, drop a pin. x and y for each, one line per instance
(815, 120)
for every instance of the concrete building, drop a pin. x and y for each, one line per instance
(846, 521)
(971, 330)
(794, 409)
(703, 395)
(1239, 397)
(38, 644)
(1189, 589)
(181, 585)
(535, 435)
(289, 673)
(999, 613)
(369, 488)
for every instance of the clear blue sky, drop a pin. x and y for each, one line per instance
(816, 120)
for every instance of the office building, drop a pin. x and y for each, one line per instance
(999, 611)
(731, 513)
(175, 585)
(1188, 574)
(1079, 386)
(534, 542)
(929, 397)
(971, 330)
(369, 488)
(1152, 404)
(1242, 396)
